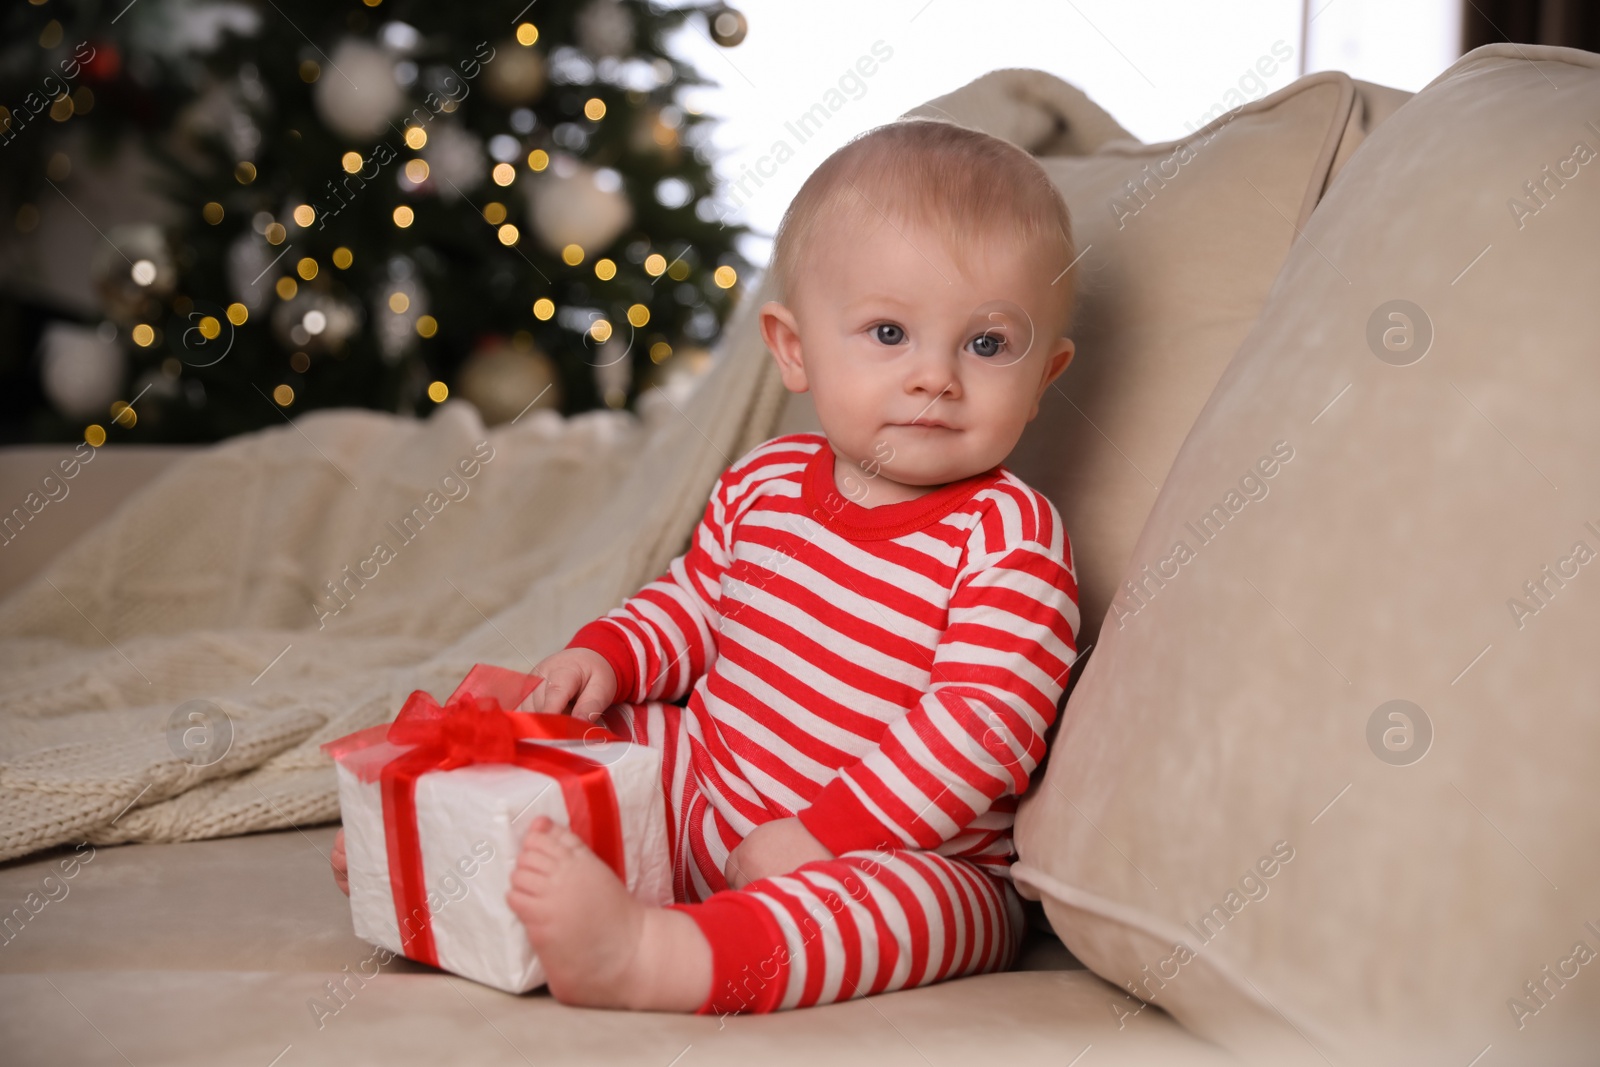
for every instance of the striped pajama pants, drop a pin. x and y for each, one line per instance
(861, 923)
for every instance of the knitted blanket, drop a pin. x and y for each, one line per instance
(170, 676)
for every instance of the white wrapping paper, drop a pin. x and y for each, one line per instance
(471, 822)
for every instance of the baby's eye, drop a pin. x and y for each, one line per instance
(888, 333)
(988, 344)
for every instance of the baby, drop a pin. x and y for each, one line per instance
(872, 625)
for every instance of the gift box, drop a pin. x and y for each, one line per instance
(436, 804)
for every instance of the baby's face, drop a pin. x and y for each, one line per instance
(923, 368)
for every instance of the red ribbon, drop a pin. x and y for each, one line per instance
(474, 727)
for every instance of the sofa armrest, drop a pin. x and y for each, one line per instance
(42, 511)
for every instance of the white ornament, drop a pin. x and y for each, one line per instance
(455, 160)
(503, 380)
(249, 256)
(605, 28)
(80, 371)
(359, 96)
(613, 370)
(129, 295)
(316, 321)
(397, 330)
(571, 203)
(186, 28)
(517, 75)
(220, 110)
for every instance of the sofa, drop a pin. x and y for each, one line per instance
(1237, 851)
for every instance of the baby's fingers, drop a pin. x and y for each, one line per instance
(556, 691)
(590, 705)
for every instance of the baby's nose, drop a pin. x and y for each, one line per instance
(936, 378)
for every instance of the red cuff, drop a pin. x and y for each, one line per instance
(605, 637)
(749, 953)
(838, 819)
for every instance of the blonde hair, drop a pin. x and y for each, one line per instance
(967, 186)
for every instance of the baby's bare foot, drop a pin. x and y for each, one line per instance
(600, 947)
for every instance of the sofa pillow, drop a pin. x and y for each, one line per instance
(1179, 243)
(1374, 103)
(1327, 794)
(1032, 109)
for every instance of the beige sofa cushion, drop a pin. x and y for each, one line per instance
(222, 951)
(1171, 278)
(1374, 103)
(1403, 505)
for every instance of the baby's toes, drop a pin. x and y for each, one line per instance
(548, 845)
(522, 895)
(536, 857)
(568, 840)
(538, 827)
(557, 844)
(525, 908)
(529, 881)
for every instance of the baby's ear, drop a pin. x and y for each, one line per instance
(781, 333)
(1060, 356)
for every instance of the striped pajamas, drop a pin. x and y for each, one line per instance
(869, 921)
(886, 675)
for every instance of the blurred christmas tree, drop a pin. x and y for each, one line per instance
(381, 203)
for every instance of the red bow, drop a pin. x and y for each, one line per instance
(473, 727)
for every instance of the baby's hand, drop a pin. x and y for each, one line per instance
(577, 681)
(341, 865)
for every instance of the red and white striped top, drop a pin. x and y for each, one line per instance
(887, 674)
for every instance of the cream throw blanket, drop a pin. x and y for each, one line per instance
(202, 579)
(211, 583)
